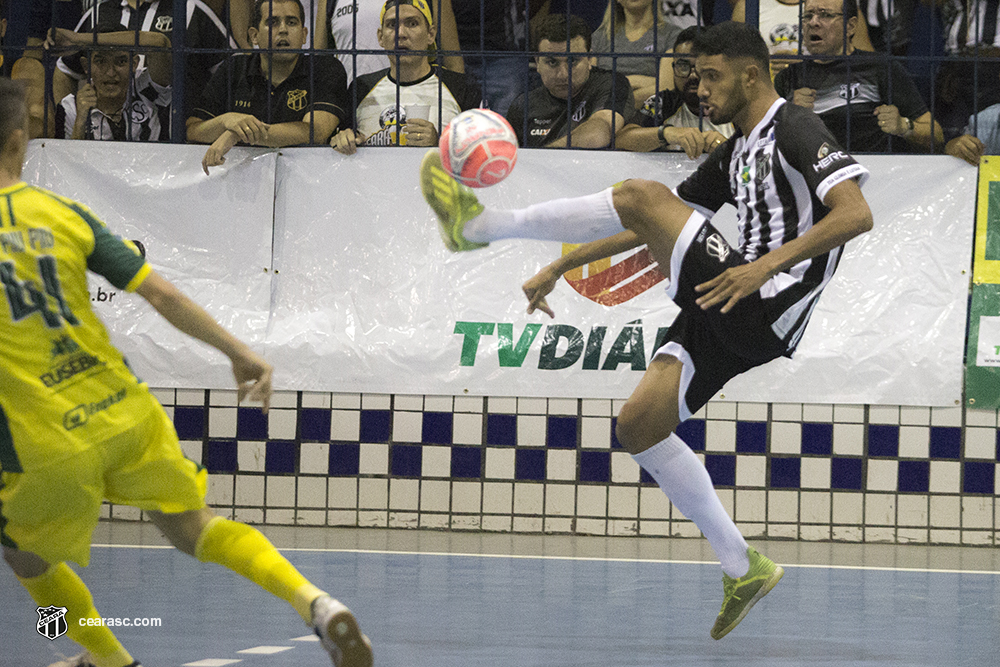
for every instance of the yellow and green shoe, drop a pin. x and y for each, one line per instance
(453, 203)
(743, 593)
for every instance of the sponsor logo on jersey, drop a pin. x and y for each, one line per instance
(69, 368)
(580, 113)
(717, 247)
(828, 160)
(745, 175)
(539, 131)
(823, 151)
(81, 414)
(297, 100)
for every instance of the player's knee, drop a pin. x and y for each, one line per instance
(637, 429)
(636, 198)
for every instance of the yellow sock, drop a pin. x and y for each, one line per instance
(61, 587)
(247, 552)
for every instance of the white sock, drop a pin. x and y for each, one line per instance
(574, 220)
(688, 486)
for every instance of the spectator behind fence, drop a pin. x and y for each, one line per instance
(964, 86)
(981, 136)
(636, 27)
(863, 100)
(671, 119)
(205, 30)
(779, 26)
(30, 69)
(428, 96)
(275, 97)
(120, 100)
(338, 32)
(577, 103)
(498, 26)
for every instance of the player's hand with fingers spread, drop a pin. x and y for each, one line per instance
(732, 285)
(966, 147)
(347, 141)
(690, 139)
(537, 287)
(253, 377)
(420, 132)
(804, 97)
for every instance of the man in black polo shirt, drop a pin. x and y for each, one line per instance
(277, 97)
(863, 101)
(575, 98)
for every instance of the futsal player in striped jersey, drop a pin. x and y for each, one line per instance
(798, 201)
(77, 427)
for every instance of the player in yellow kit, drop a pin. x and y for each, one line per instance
(76, 426)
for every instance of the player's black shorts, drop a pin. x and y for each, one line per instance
(713, 347)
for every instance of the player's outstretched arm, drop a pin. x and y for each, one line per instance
(849, 216)
(252, 373)
(542, 283)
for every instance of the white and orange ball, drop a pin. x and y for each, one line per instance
(479, 148)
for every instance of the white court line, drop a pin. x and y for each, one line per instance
(803, 566)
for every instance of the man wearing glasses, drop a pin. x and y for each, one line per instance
(868, 105)
(671, 120)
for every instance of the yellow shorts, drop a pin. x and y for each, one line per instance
(52, 511)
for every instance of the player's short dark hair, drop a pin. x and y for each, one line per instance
(561, 28)
(733, 40)
(13, 108)
(688, 34)
(258, 11)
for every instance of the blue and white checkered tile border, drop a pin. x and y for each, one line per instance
(809, 472)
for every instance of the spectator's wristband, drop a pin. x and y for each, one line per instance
(909, 128)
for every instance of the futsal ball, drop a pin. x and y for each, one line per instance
(479, 148)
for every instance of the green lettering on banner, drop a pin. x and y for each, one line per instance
(548, 358)
(472, 332)
(628, 348)
(592, 356)
(511, 356)
(993, 223)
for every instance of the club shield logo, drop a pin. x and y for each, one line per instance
(51, 622)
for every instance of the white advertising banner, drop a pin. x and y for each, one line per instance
(368, 299)
(360, 295)
(211, 236)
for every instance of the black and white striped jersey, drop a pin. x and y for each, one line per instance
(777, 178)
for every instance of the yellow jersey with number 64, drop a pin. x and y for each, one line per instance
(63, 386)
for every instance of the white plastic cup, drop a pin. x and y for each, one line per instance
(421, 111)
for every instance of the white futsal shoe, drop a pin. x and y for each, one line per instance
(339, 634)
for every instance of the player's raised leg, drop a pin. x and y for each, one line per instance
(646, 207)
(245, 550)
